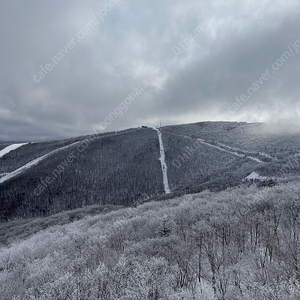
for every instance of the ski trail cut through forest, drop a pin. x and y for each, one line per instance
(248, 152)
(33, 163)
(10, 148)
(222, 147)
(163, 162)
(230, 152)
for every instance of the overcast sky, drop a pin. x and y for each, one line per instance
(186, 61)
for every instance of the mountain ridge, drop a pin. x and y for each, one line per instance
(124, 168)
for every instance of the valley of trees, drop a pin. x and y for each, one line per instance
(242, 243)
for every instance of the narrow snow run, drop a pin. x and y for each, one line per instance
(230, 152)
(236, 149)
(163, 162)
(254, 159)
(229, 149)
(10, 148)
(219, 148)
(267, 155)
(248, 152)
(33, 163)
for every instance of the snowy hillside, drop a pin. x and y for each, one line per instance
(33, 163)
(139, 164)
(10, 148)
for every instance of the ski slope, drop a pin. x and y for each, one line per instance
(229, 152)
(32, 164)
(163, 162)
(10, 148)
(219, 148)
(248, 152)
(227, 149)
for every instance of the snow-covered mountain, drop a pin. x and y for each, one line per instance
(95, 238)
(139, 164)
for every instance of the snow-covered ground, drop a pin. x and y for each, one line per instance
(32, 163)
(10, 148)
(163, 162)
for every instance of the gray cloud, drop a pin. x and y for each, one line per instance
(134, 42)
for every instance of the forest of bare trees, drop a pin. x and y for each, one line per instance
(123, 167)
(114, 169)
(242, 243)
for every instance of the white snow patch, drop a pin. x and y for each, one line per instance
(255, 176)
(163, 162)
(10, 148)
(32, 163)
